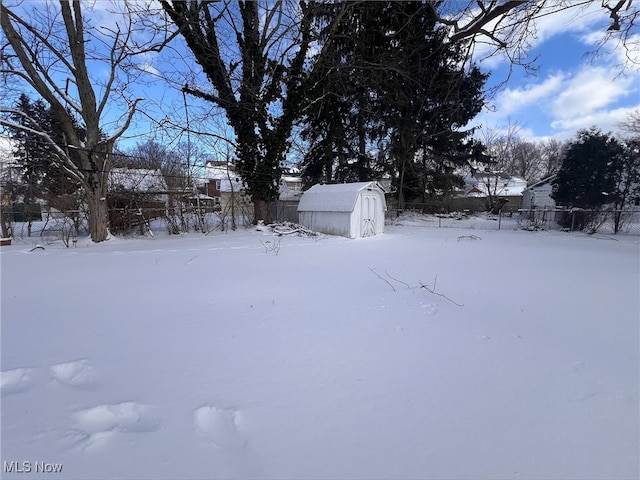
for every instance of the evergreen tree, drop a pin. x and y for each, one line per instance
(627, 181)
(587, 177)
(341, 118)
(392, 96)
(41, 176)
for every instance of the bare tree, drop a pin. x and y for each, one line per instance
(526, 161)
(551, 153)
(509, 26)
(632, 124)
(254, 56)
(500, 145)
(54, 49)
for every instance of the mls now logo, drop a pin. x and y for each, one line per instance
(28, 467)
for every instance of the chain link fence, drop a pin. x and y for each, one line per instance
(605, 220)
(42, 224)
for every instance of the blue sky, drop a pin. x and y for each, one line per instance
(569, 91)
(571, 88)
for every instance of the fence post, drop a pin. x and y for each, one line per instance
(499, 218)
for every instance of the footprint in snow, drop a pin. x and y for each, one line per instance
(16, 380)
(430, 309)
(219, 426)
(95, 426)
(77, 374)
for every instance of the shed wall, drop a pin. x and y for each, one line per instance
(331, 223)
(538, 197)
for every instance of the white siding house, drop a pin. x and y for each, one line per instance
(496, 184)
(348, 209)
(538, 195)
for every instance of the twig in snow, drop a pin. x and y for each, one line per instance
(470, 237)
(433, 291)
(37, 247)
(399, 281)
(382, 278)
(271, 247)
(191, 259)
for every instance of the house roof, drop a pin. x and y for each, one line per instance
(226, 173)
(137, 179)
(542, 182)
(498, 183)
(340, 197)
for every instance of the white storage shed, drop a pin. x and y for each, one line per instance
(538, 195)
(348, 209)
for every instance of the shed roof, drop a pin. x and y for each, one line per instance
(544, 181)
(339, 197)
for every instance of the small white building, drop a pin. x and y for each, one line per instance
(493, 184)
(290, 187)
(538, 195)
(347, 209)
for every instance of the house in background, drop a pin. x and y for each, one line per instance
(285, 208)
(348, 209)
(497, 184)
(484, 190)
(136, 195)
(225, 187)
(140, 180)
(290, 186)
(538, 195)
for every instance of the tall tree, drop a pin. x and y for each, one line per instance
(40, 177)
(632, 124)
(341, 116)
(253, 55)
(551, 153)
(627, 180)
(587, 178)
(393, 91)
(77, 68)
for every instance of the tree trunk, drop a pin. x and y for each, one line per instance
(98, 216)
(400, 205)
(4, 224)
(262, 210)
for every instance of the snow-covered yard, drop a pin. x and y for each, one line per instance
(222, 356)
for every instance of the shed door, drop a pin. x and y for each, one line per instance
(369, 209)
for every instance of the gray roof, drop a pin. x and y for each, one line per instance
(339, 197)
(543, 181)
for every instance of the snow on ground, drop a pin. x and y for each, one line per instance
(219, 357)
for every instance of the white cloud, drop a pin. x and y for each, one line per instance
(562, 103)
(551, 22)
(606, 120)
(150, 69)
(570, 20)
(590, 89)
(614, 51)
(514, 99)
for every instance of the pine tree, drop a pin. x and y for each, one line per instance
(392, 89)
(41, 176)
(587, 177)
